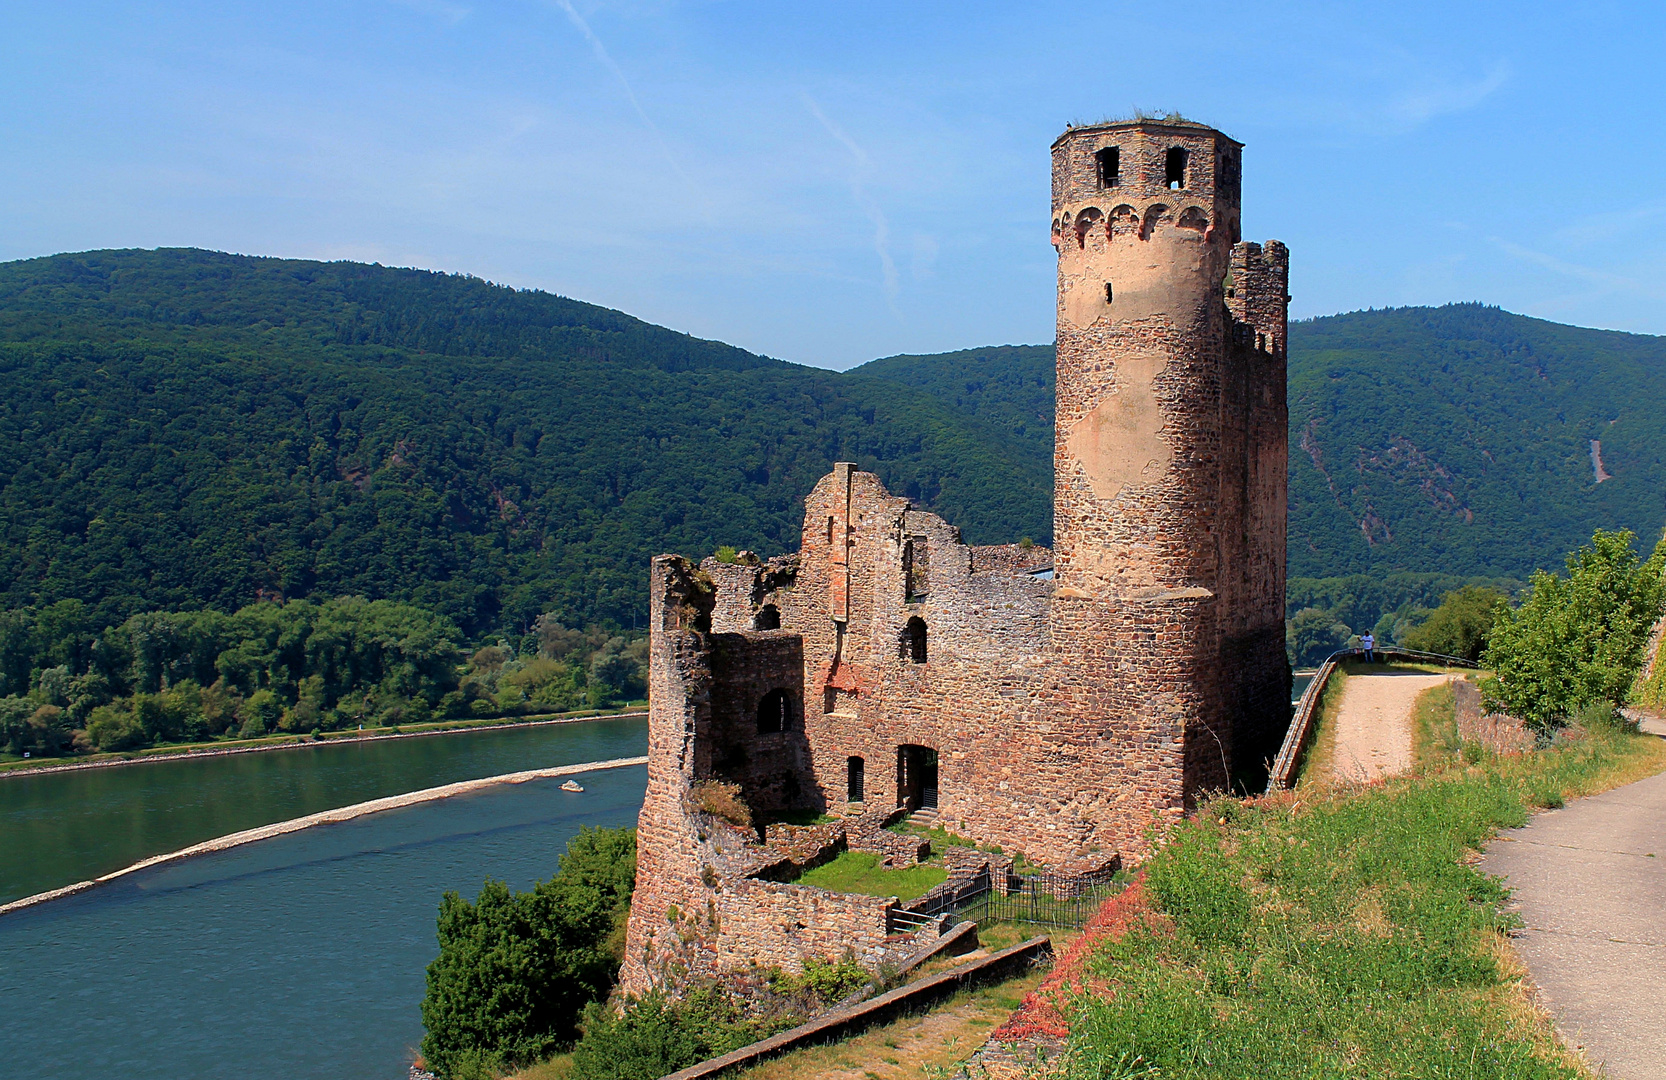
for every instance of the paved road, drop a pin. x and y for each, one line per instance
(1591, 884)
(1373, 724)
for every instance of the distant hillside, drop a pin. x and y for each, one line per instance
(180, 428)
(1454, 440)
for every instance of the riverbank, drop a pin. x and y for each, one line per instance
(326, 817)
(222, 748)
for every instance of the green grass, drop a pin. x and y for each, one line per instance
(1323, 934)
(860, 872)
(1434, 727)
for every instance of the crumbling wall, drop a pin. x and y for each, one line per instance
(1069, 698)
(771, 765)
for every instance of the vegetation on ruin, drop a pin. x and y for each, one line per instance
(516, 970)
(860, 872)
(721, 799)
(1343, 932)
(71, 686)
(1578, 640)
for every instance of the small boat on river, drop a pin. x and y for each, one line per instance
(572, 785)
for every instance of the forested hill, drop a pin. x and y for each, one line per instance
(181, 428)
(1458, 440)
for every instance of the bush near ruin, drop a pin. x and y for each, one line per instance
(1577, 639)
(517, 969)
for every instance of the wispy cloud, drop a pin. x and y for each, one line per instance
(1609, 280)
(605, 58)
(1437, 96)
(1609, 224)
(859, 174)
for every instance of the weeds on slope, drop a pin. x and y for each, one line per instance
(1340, 933)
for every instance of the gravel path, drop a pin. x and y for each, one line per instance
(1590, 885)
(1373, 724)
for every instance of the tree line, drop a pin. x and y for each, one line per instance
(69, 685)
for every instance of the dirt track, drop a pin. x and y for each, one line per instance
(1373, 724)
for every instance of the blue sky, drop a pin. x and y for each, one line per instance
(831, 183)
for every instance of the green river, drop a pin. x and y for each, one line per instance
(64, 827)
(296, 956)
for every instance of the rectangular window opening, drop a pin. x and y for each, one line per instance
(1174, 168)
(1107, 292)
(1110, 166)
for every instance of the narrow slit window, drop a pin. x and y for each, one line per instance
(1107, 292)
(1174, 168)
(913, 641)
(855, 779)
(1110, 166)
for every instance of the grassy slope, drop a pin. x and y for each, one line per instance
(1342, 934)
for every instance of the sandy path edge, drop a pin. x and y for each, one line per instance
(1373, 725)
(323, 817)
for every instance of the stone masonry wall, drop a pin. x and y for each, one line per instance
(1070, 698)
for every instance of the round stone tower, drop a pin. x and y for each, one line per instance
(1150, 501)
(1145, 214)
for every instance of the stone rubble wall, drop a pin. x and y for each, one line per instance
(1067, 712)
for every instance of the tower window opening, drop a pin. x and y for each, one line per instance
(768, 618)
(1109, 161)
(913, 641)
(775, 712)
(1107, 292)
(855, 778)
(1174, 168)
(916, 567)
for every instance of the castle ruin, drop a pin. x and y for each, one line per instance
(1056, 703)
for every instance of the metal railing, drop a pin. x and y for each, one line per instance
(1056, 900)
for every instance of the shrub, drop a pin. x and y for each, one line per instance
(516, 970)
(1578, 639)
(1460, 625)
(722, 800)
(653, 1036)
(821, 983)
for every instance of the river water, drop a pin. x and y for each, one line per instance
(299, 956)
(63, 827)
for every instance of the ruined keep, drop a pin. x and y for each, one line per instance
(1055, 703)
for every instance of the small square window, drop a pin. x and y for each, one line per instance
(1174, 168)
(1110, 166)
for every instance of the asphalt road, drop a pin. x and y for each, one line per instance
(1590, 881)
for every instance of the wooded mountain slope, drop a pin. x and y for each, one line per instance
(1457, 440)
(181, 428)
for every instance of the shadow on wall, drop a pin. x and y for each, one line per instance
(757, 737)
